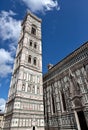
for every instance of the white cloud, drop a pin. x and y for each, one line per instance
(2, 104)
(6, 61)
(5, 70)
(5, 56)
(9, 30)
(41, 5)
(9, 27)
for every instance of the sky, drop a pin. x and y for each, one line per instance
(64, 29)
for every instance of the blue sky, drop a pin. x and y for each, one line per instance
(64, 28)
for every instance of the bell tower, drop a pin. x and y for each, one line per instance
(24, 108)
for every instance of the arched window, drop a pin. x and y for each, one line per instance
(23, 87)
(29, 59)
(31, 42)
(38, 79)
(63, 100)
(35, 61)
(35, 45)
(33, 89)
(33, 29)
(37, 89)
(29, 88)
(53, 103)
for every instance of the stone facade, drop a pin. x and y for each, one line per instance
(65, 88)
(1, 120)
(24, 108)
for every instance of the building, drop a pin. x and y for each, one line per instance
(65, 87)
(24, 107)
(1, 120)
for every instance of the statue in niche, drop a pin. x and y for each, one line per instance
(74, 85)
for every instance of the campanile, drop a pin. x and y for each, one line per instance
(24, 107)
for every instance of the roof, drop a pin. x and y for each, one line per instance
(67, 58)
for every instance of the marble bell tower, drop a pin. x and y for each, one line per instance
(24, 107)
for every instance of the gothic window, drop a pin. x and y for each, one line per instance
(23, 87)
(35, 45)
(84, 66)
(63, 101)
(35, 61)
(29, 88)
(38, 80)
(29, 59)
(37, 89)
(16, 122)
(53, 103)
(78, 87)
(31, 43)
(33, 30)
(33, 89)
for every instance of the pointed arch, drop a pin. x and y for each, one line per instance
(23, 87)
(29, 59)
(35, 61)
(53, 103)
(35, 45)
(31, 43)
(33, 29)
(63, 100)
(29, 88)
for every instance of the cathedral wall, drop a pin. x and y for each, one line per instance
(65, 89)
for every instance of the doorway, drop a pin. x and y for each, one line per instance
(33, 127)
(82, 120)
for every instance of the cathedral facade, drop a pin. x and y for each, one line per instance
(24, 107)
(65, 88)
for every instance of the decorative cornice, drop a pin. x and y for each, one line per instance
(33, 16)
(67, 59)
